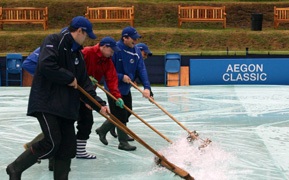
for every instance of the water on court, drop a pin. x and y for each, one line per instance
(248, 127)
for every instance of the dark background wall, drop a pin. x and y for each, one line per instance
(155, 65)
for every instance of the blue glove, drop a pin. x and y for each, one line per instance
(93, 80)
(119, 102)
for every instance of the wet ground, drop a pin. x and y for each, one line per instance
(248, 126)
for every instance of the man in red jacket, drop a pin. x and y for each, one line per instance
(99, 65)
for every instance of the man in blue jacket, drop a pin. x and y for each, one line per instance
(129, 64)
(145, 51)
(54, 99)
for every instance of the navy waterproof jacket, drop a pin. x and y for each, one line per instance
(129, 62)
(57, 67)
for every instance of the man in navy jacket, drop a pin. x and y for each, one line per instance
(54, 99)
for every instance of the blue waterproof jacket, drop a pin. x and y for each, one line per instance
(129, 62)
(30, 62)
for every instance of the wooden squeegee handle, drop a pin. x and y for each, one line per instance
(132, 112)
(182, 173)
(166, 112)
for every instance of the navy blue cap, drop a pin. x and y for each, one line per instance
(84, 24)
(131, 32)
(145, 48)
(109, 42)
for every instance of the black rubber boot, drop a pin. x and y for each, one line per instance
(51, 164)
(23, 162)
(102, 131)
(61, 169)
(112, 132)
(123, 144)
(129, 138)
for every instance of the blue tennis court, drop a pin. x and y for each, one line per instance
(248, 126)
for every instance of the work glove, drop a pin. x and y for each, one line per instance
(93, 80)
(119, 102)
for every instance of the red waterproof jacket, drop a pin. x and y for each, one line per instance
(99, 66)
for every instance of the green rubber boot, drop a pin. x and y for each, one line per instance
(102, 131)
(123, 144)
(112, 132)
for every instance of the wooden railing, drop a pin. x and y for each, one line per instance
(201, 14)
(110, 14)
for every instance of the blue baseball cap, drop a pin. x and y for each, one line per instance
(145, 48)
(84, 24)
(131, 32)
(109, 42)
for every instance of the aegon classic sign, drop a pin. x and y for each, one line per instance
(239, 71)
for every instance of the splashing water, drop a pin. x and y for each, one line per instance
(211, 162)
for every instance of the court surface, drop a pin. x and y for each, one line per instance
(248, 126)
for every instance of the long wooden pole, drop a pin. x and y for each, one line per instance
(191, 133)
(162, 160)
(153, 101)
(129, 110)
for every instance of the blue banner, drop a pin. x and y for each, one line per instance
(239, 71)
